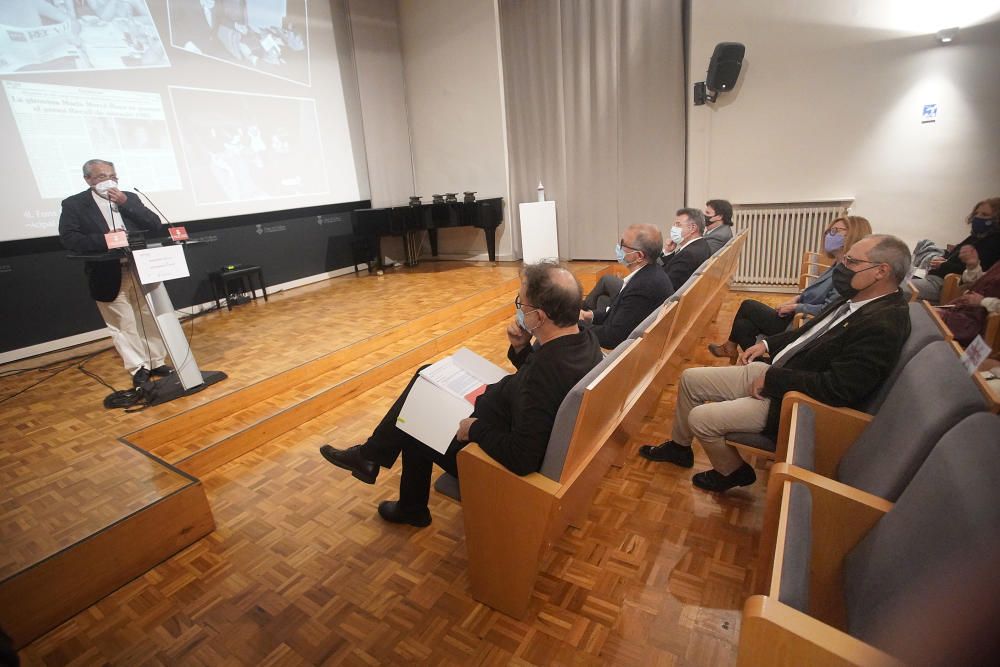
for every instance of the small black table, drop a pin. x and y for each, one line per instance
(222, 281)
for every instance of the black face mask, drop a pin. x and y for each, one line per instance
(842, 277)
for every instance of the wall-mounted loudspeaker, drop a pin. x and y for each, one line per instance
(724, 68)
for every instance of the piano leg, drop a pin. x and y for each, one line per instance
(432, 234)
(491, 243)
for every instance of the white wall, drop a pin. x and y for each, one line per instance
(451, 61)
(829, 104)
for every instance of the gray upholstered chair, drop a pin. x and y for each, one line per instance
(931, 394)
(847, 562)
(923, 332)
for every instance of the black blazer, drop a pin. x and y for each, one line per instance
(680, 265)
(844, 365)
(644, 291)
(515, 416)
(82, 228)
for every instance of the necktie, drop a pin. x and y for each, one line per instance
(812, 334)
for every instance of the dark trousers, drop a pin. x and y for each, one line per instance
(386, 444)
(755, 318)
(604, 292)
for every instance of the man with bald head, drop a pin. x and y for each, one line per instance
(617, 305)
(512, 419)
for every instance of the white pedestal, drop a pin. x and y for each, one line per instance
(539, 239)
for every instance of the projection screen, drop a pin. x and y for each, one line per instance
(212, 108)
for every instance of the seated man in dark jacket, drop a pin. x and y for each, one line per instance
(645, 288)
(839, 357)
(512, 419)
(686, 249)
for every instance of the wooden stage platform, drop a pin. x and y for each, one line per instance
(269, 555)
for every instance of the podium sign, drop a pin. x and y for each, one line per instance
(155, 265)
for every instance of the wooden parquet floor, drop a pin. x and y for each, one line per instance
(62, 453)
(302, 571)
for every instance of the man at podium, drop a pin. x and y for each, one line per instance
(87, 221)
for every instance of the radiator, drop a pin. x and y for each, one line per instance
(779, 234)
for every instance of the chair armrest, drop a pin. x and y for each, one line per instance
(836, 430)
(991, 333)
(479, 462)
(938, 322)
(776, 634)
(841, 517)
(951, 288)
(804, 277)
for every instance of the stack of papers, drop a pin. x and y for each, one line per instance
(444, 395)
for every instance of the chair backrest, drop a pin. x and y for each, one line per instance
(682, 290)
(949, 511)
(646, 323)
(932, 393)
(923, 332)
(589, 406)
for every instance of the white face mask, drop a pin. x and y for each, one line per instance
(676, 235)
(103, 187)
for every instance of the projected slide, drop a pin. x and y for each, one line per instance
(63, 126)
(213, 108)
(40, 36)
(267, 35)
(245, 147)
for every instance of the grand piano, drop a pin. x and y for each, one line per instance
(408, 221)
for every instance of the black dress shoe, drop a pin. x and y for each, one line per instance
(393, 513)
(162, 371)
(713, 480)
(140, 377)
(351, 459)
(670, 452)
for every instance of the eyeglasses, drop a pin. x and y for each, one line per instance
(851, 261)
(622, 243)
(519, 304)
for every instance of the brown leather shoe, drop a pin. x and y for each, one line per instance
(720, 351)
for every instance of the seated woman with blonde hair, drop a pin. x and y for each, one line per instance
(755, 318)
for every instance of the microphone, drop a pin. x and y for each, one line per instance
(181, 232)
(169, 224)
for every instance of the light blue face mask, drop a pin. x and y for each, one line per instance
(676, 235)
(519, 316)
(620, 254)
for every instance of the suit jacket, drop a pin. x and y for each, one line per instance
(515, 416)
(82, 228)
(718, 237)
(680, 265)
(845, 364)
(644, 291)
